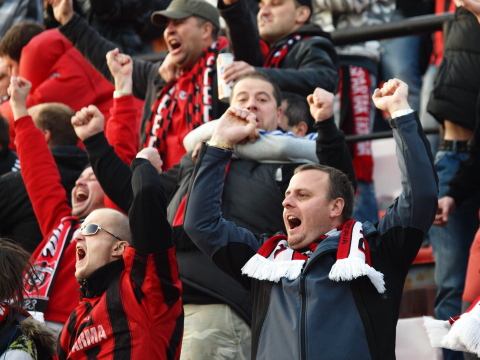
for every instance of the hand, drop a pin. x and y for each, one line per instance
(18, 91)
(392, 96)
(321, 104)
(471, 5)
(169, 71)
(235, 125)
(235, 70)
(446, 205)
(62, 10)
(151, 154)
(88, 122)
(121, 68)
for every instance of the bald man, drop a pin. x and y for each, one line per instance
(126, 266)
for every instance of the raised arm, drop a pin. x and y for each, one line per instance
(332, 150)
(229, 245)
(416, 206)
(39, 171)
(148, 213)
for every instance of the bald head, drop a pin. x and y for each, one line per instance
(113, 220)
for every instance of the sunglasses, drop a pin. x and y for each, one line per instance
(92, 229)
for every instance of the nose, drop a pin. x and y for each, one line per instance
(80, 181)
(170, 28)
(287, 202)
(251, 105)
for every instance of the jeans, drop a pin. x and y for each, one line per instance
(400, 59)
(451, 244)
(365, 208)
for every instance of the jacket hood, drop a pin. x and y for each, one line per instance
(44, 338)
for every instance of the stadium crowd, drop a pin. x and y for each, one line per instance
(175, 180)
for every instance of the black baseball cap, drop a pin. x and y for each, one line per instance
(181, 9)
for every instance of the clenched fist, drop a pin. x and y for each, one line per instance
(321, 104)
(392, 96)
(88, 122)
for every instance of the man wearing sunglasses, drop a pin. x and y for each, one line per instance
(127, 270)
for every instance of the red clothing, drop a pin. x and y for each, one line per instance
(59, 73)
(131, 317)
(50, 202)
(441, 6)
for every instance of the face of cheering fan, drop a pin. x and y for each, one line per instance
(308, 212)
(106, 243)
(87, 194)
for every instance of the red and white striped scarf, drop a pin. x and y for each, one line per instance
(275, 259)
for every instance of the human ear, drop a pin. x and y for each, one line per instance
(336, 207)
(119, 248)
(302, 14)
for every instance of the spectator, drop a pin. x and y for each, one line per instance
(297, 54)
(8, 158)
(175, 89)
(4, 81)
(17, 219)
(51, 295)
(358, 78)
(131, 294)
(340, 318)
(211, 297)
(454, 104)
(296, 117)
(15, 11)
(21, 336)
(57, 71)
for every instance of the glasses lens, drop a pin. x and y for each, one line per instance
(89, 229)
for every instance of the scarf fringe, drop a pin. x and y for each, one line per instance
(464, 335)
(436, 330)
(261, 268)
(351, 268)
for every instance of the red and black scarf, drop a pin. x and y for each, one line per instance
(274, 56)
(196, 86)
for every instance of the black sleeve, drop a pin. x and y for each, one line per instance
(95, 47)
(332, 150)
(115, 176)
(151, 231)
(242, 28)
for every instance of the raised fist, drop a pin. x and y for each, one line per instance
(18, 91)
(152, 155)
(321, 104)
(236, 125)
(169, 71)
(88, 122)
(121, 68)
(392, 96)
(62, 10)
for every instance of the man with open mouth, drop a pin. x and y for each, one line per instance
(331, 286)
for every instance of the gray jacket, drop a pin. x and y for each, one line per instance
(312, 317)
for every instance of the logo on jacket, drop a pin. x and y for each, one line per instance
(89, 337)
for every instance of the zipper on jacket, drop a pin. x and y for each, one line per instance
(303, 315)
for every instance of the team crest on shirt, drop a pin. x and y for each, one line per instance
(89, 337)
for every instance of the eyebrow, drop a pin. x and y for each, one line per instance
(256, 94)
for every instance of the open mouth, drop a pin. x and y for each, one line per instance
(81, 253)
(174, 44)
(293, 222)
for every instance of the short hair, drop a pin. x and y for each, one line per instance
(15, 271)
(297, 110)
(339, 186)
(277, 94)
(17, 37)
(4, 134)
(56, 118)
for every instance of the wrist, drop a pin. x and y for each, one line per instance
(65, 18)
(220, 143)
(19, 112)
(123, 87)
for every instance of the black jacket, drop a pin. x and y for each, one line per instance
(457, 84)
(17, 219)
(252, 198)
(310, 63)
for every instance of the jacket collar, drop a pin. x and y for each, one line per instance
(101, 278)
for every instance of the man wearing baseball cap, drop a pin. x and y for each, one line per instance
(297, 54)
(179, 92)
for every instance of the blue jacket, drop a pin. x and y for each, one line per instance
(313, 317)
